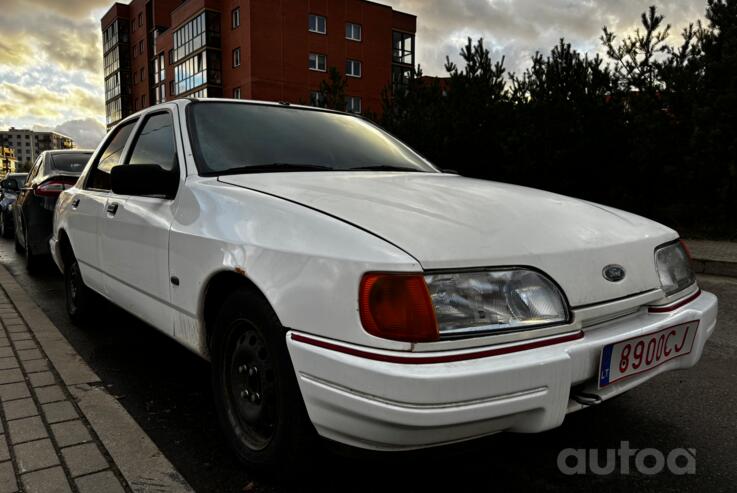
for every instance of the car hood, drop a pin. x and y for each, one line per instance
(451, 222)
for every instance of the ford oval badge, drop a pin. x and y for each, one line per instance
(613, 273)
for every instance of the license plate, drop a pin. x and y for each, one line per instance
(639, 354)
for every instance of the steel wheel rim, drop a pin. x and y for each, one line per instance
(250, 384)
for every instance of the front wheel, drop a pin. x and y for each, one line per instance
(77, 293)
(256, 394)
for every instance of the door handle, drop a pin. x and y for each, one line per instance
(112, 208)
(75, 203)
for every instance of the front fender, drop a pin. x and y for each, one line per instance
(307, 264)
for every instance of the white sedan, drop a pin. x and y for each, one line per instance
(338, 282)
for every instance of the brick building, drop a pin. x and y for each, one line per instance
(278, 50)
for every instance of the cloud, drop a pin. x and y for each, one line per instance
(18, 101)
(87, 132)
(519, 28)
(49, 38)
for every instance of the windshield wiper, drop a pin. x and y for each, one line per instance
(273, 168)
(380, 167)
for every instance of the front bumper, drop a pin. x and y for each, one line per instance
(381, 400)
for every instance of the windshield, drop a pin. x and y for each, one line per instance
(242, 138)
(70, 162)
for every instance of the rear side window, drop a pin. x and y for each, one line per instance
(156, 144)
(70, 162)
(109, 158)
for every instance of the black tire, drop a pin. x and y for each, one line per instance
(18, 247)
(5, 231)
(78, 295)
(31, 258)
(257, 398)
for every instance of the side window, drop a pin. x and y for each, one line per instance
(109, 158)
(156, 143)
(35, 169)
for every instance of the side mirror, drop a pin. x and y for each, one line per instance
(10, 185)
(144, 179)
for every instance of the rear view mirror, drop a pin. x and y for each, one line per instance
(144, 180)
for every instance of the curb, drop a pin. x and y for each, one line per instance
(714, 267)
(139, 460)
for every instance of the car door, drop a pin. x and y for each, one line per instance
(134, 230)
(24, 196)
(88, 206)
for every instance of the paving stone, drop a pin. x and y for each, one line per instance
(35, 365)
(70, 433)
(20, 408)
(9, 362)
(59, 411)
(84, 459)
(4, 342)
(10, 391)
(8, 483)
(52, 393)
(25, 344)
(32, 456)
(4, 452)
(41, 379)
(99, 482)
(26, 429)
(12, 375)
(19, 327)
(29, 354)
(6, 351)
(20, 336)
(52, 480)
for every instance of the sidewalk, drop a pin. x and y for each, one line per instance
(60, 430)
(713, 257)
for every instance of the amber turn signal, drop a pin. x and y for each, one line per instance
(397, 307)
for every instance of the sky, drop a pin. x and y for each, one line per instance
(51, 56)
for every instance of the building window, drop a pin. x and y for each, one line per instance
(353, 68)
(140, 47)
(160, 92)
(172, 91)
(317, 99)
(198, 70)
(403, 47)
(353, 31)
(143, 101)
(159, 69)
(237, 93)
(142, 76)
(318, 62)
(353, 104)
(202, 31)
(235, 18)
(318, 24)
(140, 19)
(237, 57)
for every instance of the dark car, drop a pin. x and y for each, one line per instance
(53, 172)
(9, 189)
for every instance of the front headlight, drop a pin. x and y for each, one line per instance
(492, 301)
(674, 268)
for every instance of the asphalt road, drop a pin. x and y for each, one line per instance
(166, 389)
